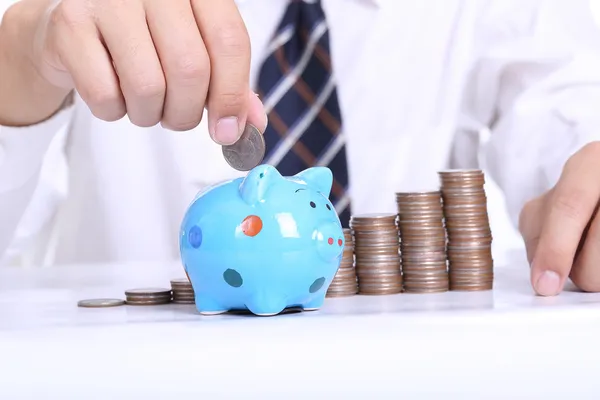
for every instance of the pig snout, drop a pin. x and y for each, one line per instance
(330, 240)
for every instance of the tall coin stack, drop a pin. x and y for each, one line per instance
(376, 250)
(471, 266)
(422, 242)
(344, 283)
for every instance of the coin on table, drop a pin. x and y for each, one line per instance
(180, 282)
(247, 152)
(100, 303)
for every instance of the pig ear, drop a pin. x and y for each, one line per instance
(319, 178)
(255, 185)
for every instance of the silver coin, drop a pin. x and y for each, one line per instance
(100, 303)
(180, 281)
(148, 292)
(247, 152)
(148, 302)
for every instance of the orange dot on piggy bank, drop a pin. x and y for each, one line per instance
(252, 225)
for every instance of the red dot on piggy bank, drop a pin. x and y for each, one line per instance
(252, 225)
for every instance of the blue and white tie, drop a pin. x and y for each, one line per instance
(297, 87)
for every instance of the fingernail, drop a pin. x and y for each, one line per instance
(227, 131)
(548, 284)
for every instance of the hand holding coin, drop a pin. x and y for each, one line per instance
(190, 56)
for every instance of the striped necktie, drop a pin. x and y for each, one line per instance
(297, 87)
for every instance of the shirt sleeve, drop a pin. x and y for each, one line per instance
(532, 96)
(22, 152)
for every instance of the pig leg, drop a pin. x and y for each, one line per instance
(208, 306)
(315, 303)
(265, 304)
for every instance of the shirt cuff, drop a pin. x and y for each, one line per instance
(22, 149)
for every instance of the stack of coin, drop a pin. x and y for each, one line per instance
(148, 296)
(344, 283)
(471, 265)
(183, 292)
(422, 242)
(100, 303)
(377, 253)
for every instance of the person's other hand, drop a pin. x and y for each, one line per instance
(155, 61)
(561, 230)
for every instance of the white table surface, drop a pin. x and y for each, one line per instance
(505, 343)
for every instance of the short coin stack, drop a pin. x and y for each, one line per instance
(423, 242)
(469, 234)
(344, 283)
(377, 252)
(183, 292)
(148, 296)
(100, 303)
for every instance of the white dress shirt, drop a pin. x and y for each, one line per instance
(511, 86)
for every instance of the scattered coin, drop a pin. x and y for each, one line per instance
(247, 152)
(377, 253)
(344, 283)
(422, 242)
(470, 261)
(183, 292)
(100, 303)
(148, 296)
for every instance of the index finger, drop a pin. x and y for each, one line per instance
(228, 45)
(569, 209)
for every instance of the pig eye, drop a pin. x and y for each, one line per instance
(312, 204)
(327, 205)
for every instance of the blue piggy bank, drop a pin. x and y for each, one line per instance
(262, 243)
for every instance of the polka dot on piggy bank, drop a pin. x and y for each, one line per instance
(252, 225)
(195, 236)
